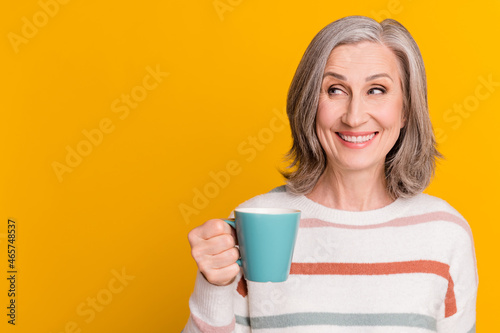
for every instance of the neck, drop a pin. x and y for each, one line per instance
(352, 190)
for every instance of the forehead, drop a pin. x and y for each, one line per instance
(364, 57)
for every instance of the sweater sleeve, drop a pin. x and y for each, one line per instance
(212, 308)
(463, 321)
(463, 276)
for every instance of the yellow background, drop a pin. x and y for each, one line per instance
(118, 210)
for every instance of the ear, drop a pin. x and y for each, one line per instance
(403, 119)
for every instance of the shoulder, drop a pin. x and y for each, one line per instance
(428, 204)
(437, 216)
(452, 234)
(441, 218)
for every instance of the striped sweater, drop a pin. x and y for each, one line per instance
(407, 267)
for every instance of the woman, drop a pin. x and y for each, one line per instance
(373, 253)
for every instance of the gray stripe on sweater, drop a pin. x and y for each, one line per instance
(340, 319)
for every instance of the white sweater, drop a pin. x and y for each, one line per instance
(407, 267)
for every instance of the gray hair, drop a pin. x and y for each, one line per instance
(410, 165)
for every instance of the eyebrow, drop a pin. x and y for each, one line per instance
(376, 76)
(335, 75)
(369, 78)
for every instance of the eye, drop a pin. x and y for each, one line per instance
(376, 91)
(335, 91)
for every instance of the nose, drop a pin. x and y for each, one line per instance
(355, 114)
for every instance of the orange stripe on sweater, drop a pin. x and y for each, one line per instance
(242, 288)
(418, 266)
(399, 222)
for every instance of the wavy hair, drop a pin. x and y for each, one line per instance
(410, 165)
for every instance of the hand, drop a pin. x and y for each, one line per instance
(213, 249)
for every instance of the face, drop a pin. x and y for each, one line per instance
(360, 110)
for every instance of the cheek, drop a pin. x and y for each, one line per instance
(391, 117)
(325, 116)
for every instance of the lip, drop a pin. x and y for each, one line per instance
(356, 133)
(356, 145)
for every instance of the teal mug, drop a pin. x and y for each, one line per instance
(266, 239)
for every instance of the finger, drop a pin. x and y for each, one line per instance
(209, 263)
(213, 228)
(224, 259)
(233, 233)
(216, 245)
(222, 276)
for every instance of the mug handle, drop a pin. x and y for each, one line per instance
(232, 223)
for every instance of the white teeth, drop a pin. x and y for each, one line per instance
(357, 139)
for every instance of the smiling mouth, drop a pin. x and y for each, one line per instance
(356, 139)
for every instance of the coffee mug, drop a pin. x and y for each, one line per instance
(266, 239)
